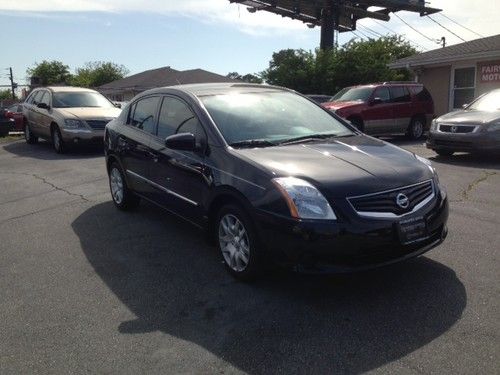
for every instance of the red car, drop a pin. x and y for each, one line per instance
(15, 112)
(386, 108)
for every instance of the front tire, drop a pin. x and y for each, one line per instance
(238, 243)
(123, 198)
(29, 136)
(57, 141)
(416, 128)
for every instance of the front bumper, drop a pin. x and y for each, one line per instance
(466, 142)
(351, 243)
(78, 136)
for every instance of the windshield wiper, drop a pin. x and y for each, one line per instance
(306, 138)
(253, 143)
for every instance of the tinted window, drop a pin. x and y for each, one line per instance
(354, 94)
(383, 94)
(176, 117)
(143, 114)
(400, 94)
(421, 93)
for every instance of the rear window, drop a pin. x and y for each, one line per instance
(421, 93)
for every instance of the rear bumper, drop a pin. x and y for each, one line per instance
(468, 142)
(348, 246)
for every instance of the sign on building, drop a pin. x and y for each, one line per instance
(489, 72)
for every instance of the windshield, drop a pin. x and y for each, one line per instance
(272, 116)
(353, 94)
(488, 102)
(80, 99)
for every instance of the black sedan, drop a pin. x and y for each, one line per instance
(272, 176)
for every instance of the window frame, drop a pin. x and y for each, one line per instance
(382, 88)
(131, 112)
(407, 94)
(454, 68)
(171, 96)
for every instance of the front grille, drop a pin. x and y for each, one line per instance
(461, 129)
(385, 204)
(97, 124)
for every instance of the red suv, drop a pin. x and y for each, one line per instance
(386, 108)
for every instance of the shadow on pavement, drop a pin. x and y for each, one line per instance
(163, 271)
(43, 150)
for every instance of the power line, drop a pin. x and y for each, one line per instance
(459, 24)
(377, 34)
(396, 33)
(411, 27)
(357, 35)
(444, 27)
(365, 35)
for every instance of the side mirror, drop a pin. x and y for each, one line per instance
(43, 106)
(464, 105)
(117, 105)
(376, 101)
(181, 141)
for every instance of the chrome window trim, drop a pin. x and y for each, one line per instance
(390, 215)
(154, 184)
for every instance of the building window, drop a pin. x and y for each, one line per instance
(464, 86)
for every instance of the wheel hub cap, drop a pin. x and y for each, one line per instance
(116, 184)
(233, 240)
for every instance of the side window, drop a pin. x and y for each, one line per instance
(400, 94)
(45, 98)
(383, 94)
(143, 114)
(36, 97)
(421, 93)
(176, 117)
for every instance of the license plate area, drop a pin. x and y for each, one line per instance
(412, 230)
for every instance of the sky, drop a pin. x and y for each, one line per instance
(210, 34)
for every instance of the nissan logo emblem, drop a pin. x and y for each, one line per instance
(402, 200)
(453, 129)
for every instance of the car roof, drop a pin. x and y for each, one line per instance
(206, 89)
(393, 83)
(68, 89)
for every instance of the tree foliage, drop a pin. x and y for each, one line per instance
(326, 72)
(5, 94)
(50, 72)
(98, 73)
(250, 78)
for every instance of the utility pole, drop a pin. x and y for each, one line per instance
(12, 86)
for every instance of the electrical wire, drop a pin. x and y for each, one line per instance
(371, 31)
(417, 31)
(395, 33)
(459, 24)
(364, 34)
(356, 34)
(444, 27)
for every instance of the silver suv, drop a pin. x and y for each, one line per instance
(66, 116)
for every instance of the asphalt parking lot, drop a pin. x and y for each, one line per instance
(86, 288)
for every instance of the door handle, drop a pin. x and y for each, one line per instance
(153, 156)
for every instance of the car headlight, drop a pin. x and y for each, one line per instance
(493, 127)
(434, 125)
(426, 162)
(73, 124)
(303, 199)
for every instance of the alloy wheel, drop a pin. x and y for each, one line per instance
(116, 184)
(234, 243)
(417, 129)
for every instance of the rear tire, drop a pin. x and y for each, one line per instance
(416, 128)
(238, 243)
(28, 135)
(123, 198)
(444, 152)
(57, 141)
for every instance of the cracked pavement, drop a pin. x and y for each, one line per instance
(85, 288)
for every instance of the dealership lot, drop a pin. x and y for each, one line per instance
(86, 288)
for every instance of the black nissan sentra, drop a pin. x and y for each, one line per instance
(273, 177)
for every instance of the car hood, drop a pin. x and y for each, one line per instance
(90, 113)
(470, 117)
(339, 105)
(345, 166)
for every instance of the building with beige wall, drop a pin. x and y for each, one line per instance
(457, 74)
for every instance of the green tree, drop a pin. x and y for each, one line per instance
(5, 94)
(326, 72)
(250, 78)
(97, 73)
(50, 72)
